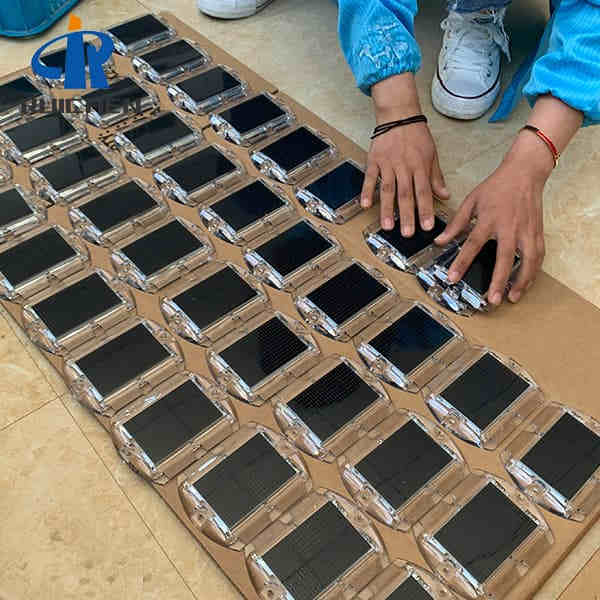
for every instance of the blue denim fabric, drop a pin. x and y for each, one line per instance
(377, 38)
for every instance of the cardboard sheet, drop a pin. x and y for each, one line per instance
(553, 333)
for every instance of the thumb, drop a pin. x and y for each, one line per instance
(438, 184)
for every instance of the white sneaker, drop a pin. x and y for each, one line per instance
(467, 81)
(231, 9)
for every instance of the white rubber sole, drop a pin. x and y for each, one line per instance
(214, 8)
(465, 109)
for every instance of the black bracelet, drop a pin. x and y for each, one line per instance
(385, 127)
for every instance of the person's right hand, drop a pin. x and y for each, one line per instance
(405, 159)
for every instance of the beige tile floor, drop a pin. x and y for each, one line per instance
(74, 521)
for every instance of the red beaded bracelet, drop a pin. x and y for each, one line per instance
(551, 146)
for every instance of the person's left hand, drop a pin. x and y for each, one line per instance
(508, 207)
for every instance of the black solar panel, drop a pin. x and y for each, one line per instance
(158, 132)
(34, 256)
(295, 148)
(119, 361)
(77, 304)
(410, 589)
(138, 29)
(248, 205)
(485, 532)
(74, 167)
(238, 485)
(409, 341)
(17, 92)
(213, 298)
(401, 465)
(200, 168)
(479, 274)
(338, 187)
(13, 207)
(409, 246)
(333, 401)
(347, 293)
(315, 554)
(293, 248)
(171, 56)
(39, 131)
(566, 456)
(118, 205)
(168, 424)
(207, 84)
(252, 113)
(485, 390)
(174, 241)
(122, 93)
(262, 351)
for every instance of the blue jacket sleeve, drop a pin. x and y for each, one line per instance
(570, 69)
(377, 38)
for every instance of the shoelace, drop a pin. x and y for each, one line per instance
(471, 39)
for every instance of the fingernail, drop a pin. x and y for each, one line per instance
(364, 202)
(496, 298)
(438, 239)
(406, 231)
(388, 223)
(428, 224)
(453, 276)
(515, 296)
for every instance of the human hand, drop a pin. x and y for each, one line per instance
(405, 158)
(508, 207)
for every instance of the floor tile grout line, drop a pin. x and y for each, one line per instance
(124, 492)
(29, 413)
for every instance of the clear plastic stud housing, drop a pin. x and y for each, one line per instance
(258, 359)
(344, 299)
(242, 485)
(20, 211)
(20, 96)
(483, 397)
(333, 196)
(555, 460)
(109, 373)
(289, 255)
(484, 537)
(410, 345)
(40, 136)
(140, 33)
(331, 407)
(76, 174)
(324, 547)
(40, 261)
(409, 253)
(208, 90)
(216, 300)
(184, 246)
(402, 580)
(170, 60)
(294, 155)
(252, 119)
(401, 469)
(85, 308)
(161, 434)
